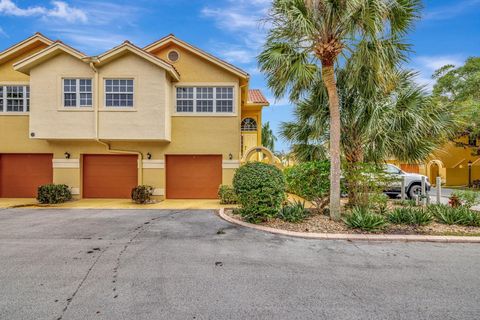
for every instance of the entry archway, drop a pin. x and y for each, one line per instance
(268, 156)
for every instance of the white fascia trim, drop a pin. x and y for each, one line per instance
(230, 164)
(66, 163)
(153, 164)
(159, 192)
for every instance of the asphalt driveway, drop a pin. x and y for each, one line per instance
(165, 264)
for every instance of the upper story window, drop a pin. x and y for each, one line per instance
(14, 98)
(119, 93)
(77, 93)
(205, 100)
(249, 124)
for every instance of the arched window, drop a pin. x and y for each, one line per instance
(249, 124)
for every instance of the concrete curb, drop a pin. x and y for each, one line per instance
(352, 237)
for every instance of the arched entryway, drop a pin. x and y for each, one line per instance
(435, 168)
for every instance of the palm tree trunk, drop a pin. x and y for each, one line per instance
(328, 74)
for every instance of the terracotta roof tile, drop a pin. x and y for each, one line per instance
(256, 96)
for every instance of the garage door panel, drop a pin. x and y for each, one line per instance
(22, 174)
(109, 176)
(193, 176)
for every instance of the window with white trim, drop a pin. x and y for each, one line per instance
(204, 100)
(77, 93)
(14, 98)
(119, 93)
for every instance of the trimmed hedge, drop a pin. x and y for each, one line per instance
(142, 194)
(260, 189)
(227, 195)
(54, 193)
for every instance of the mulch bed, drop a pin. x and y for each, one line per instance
(322, 224)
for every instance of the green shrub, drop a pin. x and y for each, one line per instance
(294, 212)
(455, 215)
(410, 216)
(365, 183)
(142, 194)
(227, 195)
(467, 198)
(362, 218)
(260, 189)
(407, 203)
(54, 193)
(311, 181)
(379, 203)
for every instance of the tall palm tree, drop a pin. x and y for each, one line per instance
(402, 123)
(311, 35)
(268, 138)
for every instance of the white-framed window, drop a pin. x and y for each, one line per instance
(119, 93)
(77, 93)
(14, 98)
(204, 100)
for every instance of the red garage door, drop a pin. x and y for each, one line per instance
(193, 176)
(109, 176)
(22, 174)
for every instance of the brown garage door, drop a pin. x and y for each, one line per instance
(109, 176)
(22, 174)
(193, 176)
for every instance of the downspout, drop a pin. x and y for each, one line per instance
(105, 144)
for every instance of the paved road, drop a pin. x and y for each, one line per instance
(126, 264)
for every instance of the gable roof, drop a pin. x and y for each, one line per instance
(221, 63)
(52, 50)
(255, 96)
(127, 46)
(17, 49)
(58, 47)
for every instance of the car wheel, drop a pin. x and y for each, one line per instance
(415, 190)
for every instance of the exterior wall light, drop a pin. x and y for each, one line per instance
(149, 156)
(230, 156)
(67, 155)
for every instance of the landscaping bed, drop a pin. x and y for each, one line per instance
(318, 223)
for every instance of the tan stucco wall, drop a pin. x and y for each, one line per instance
(48, 118)
(147, 120)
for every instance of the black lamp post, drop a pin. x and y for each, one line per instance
(469, 173)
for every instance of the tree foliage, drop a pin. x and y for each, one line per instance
(268, 138)
(402, 123)
(458, 89)
(309, 38)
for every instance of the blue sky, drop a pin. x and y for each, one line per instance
(448, 33)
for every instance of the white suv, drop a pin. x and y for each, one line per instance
(413, 182)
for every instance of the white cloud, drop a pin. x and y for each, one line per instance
(60, 10)
(63, 11)
(451, 11)
(427, 65)
(3, 33)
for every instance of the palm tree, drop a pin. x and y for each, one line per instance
(268, 138)
(311, 35)
(403, 123)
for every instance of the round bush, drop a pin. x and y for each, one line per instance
(54, 193)
(260, 189)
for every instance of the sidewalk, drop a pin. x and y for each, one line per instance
(115, 204)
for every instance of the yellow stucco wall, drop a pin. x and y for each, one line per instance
(10, 76)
